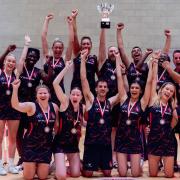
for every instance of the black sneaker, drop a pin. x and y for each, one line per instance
(176, 168)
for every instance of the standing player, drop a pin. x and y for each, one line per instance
(57, 61)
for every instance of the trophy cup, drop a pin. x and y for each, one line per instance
(105, 9)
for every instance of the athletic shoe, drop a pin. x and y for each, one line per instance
(13, 170)
(3, 172)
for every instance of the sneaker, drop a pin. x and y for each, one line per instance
(176, 168)
(52, 168)
(19, 168)
(13, 170)
(19, 162)
(115, 165)
(3, 172)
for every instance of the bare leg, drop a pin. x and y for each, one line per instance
(153, 165)
(60, 166)
(12, 132)
(168, 166)
(74, 164)
(42, 170)
(29, 170)
(135, 165)
(122, 164)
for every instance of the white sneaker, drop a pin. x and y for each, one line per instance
(3, 172)
(13, 170)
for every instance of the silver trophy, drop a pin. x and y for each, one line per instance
(105, 9)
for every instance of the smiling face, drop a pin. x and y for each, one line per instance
(136, 54)
(75, 96)
(167, 91)
(42, 95)
(176, 59)
(32, 58)
(57, 49)
(102, 89)
(111, 52)
(9, 63)
(86, 44)
(135, 90)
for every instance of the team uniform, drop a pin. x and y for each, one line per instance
(161, 140)
(134, 75)
(58, 66)
(28, 85)
(91, 69)
(6, 110)
(30, 79)
(97, 145)
(107, 72)
(163, 77)
(128, 136)
(37, 142)
(67, 140)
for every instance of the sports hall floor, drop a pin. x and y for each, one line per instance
(98, 175)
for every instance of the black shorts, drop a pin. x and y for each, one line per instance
(97, 156)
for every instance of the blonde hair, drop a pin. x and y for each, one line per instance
(172, 101)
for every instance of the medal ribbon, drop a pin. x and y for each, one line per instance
(55, 63)
(130, 108)
(158, 79)
(163, 112)
(101, 110)
(8, 79)
(48, 114)
(77, 119)
(29, 76)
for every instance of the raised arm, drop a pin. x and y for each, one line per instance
(26, 107)
(125, 59)
(71, 39)
(48, 77)
(27, 42)
(145, 55)
(121, 89)
(102, 49)
(153, 95)
(147, 93)
(84, 82)
(125, 80)
(9, 49)
(58, 90)
(174, 75)
(76, 45)
(167, 45)
(44, 34)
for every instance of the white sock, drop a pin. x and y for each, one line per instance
(11, 162)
